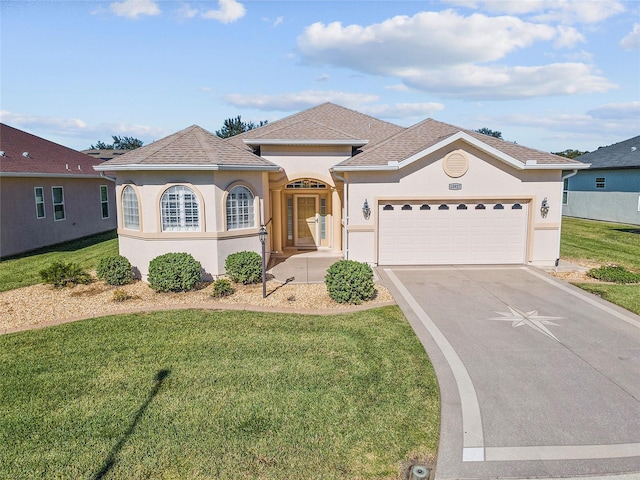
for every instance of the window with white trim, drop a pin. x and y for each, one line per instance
(240, 208)
(600, 182)
(130, 209)
(57, 193)
(104, 201)
(39, 196)
(565, 192)
(180, 210)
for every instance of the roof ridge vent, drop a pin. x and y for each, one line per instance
(2, 153)
(633, 149)
(25, 154)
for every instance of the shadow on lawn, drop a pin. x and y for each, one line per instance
(111, 459)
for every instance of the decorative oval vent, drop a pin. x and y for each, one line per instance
(455, 164)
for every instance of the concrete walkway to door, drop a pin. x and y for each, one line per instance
(302, 266)
(538, 378)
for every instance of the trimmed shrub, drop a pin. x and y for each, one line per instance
(115, 270)
(349, 281)
(119, 295)
(63, 274)
(222, 288)
(614, 273)
(244, 267)
(174, 272)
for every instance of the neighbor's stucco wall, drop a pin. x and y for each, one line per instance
(21, 231)
(213, 243)
(486, 178)
(621, 207)
(619, 201)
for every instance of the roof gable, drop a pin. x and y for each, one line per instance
(430, 135)
(27, 154)
(625, 154)
(189, 149)
(332, 118)
(305, 131)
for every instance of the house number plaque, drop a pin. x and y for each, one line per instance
(455, 186)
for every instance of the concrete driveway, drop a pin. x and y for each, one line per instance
(538, 378)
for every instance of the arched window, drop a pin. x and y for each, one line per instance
(180, 210)
(240, 208)
(130, 209)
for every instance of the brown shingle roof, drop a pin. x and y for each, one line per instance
(44, 157)
(191, 146)
(430, 132)
(333, 118)
(303, 130)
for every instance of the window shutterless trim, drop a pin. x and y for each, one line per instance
(104, 201)
(58, 206)
(40, 212)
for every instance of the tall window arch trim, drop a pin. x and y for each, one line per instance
(180, 210)
(130, 209)
(240, 209)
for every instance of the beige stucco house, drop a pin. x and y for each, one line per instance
(335, 180)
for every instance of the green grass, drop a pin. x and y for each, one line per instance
(225, 395)
(605, 243)
(601, 242)
(23, 270)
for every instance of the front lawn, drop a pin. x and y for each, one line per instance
(225, 395)
(23, 270)
(605, 243)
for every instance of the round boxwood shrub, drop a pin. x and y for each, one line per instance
(115, 270)
(222, 288)
(174, 272)
(64, 274)
(244, 267)
(349, 281)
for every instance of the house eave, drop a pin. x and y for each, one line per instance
(174, 167)
(306, 142)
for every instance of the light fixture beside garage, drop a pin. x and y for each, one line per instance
(455, 164)
(366, 211)
(544, 208)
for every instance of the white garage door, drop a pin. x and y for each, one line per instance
(437, 233)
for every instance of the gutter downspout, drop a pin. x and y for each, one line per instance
(345, 216)
(563, 178)
(106, 177)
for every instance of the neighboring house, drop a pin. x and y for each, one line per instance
(333, 179)
(104, 154)
(49, 193)
(610, 188)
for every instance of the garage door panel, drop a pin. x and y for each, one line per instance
(452, 236)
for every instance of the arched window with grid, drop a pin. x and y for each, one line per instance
(130, 209)
(180, 210)
(240, 212)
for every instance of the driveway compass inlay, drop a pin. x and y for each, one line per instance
(530, 319)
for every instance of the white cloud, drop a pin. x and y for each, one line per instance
(631, 41)
(278, 21)
(323, 78)
(287, 102)
(81, 133)
(228, 12)
(617, 111)
(135, 8)
(426, 40)
(501, 83)
(448, 54)
(398, 87)
(552, 11)
(185, 12)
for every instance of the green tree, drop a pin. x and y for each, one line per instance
(119, 143)
(570, 153)
(488, 131)
(235, 126)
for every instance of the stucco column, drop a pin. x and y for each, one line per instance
(276, 216)
(336, 213)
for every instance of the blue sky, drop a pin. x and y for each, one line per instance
(548, 74)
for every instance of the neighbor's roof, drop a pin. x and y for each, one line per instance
(193, 148)
(430, 135)
(328, 122)
(104, 154)
(26, 155)
(624, 154)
